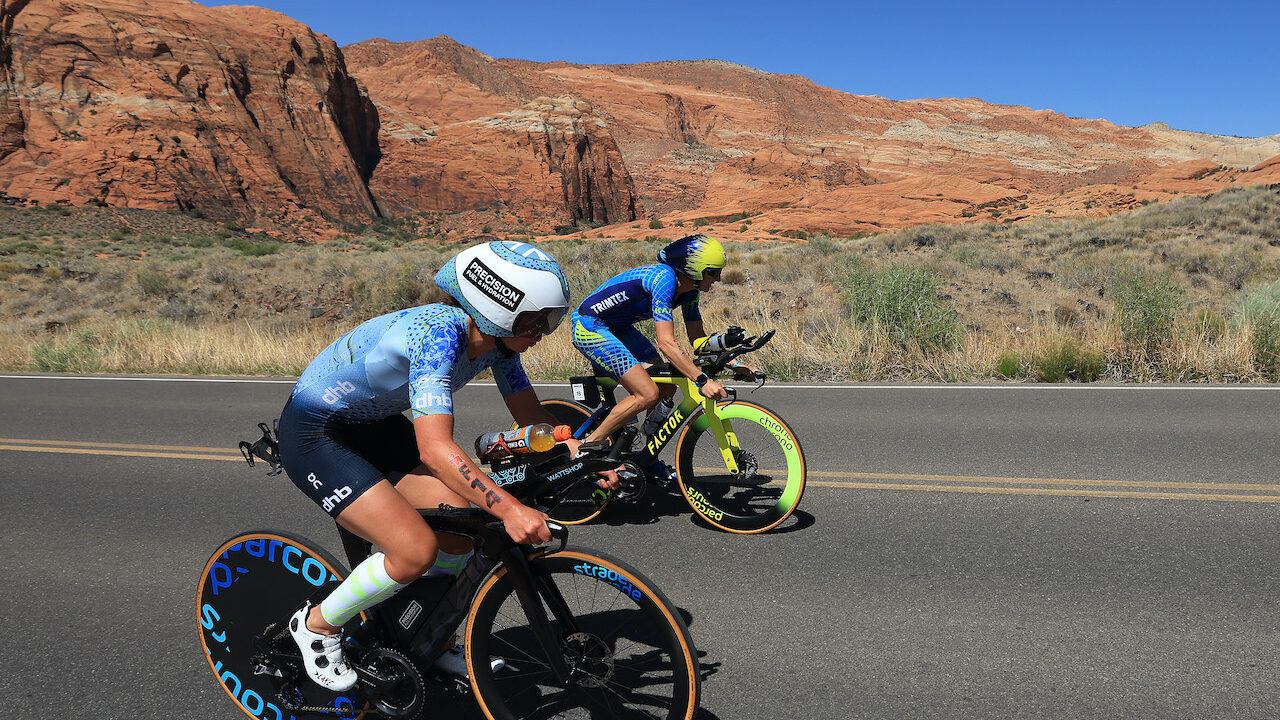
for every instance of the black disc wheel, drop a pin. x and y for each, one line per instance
(251, 582)
(585, 501)
(627, 649)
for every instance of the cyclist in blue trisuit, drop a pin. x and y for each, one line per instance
(603, 331)
(345, 442)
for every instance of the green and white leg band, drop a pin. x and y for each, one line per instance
(368, 585)
(448, 564)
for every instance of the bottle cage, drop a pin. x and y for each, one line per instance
(265, 448)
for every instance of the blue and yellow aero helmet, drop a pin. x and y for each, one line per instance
(692, 255)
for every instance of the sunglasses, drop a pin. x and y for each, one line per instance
(541, 322)
(713, 272)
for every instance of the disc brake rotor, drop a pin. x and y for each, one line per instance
(590, 660)
(747, 463)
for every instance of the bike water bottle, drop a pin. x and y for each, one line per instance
(536, 438)
(719, 341)
(657, 416)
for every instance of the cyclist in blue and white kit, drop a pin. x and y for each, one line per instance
(603, 331)
(345, 442)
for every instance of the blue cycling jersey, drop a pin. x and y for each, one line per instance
(411, 359)
(639, 294)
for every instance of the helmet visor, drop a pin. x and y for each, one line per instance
(540, 322)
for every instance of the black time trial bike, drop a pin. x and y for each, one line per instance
(739, 465)
(582, 634)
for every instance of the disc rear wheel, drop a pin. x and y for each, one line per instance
(252, 581)
(585, 501)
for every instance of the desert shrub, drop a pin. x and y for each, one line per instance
(1008, 364)
(904, 302)
(390, 291)
(1148, 305)
(1207, 324)
(1067, 360)
(253, 249)
(77, 353)
(823, 245)
(656, 224)
(1259, 314)
(153, 282)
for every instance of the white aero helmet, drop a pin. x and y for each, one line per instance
(499, 281)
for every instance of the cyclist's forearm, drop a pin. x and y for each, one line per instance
(678, 359)
(460, 474)
(694, 329)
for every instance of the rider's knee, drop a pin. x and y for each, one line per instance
(412, 560)
(648, 397)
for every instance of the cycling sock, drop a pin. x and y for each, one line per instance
(448, 564)
(368, 585)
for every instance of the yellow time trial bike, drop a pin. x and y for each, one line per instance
(739, 465)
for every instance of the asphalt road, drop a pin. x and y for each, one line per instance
(961, 552)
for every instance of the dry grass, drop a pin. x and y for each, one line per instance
(1154, 295)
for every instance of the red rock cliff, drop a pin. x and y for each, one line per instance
(166, 104)
(462, 132)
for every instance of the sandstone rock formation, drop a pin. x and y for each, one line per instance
(246, 114)
(704, 141)
(166, 104)
(460, 132)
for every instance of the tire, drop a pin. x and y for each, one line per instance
(584, 501)
(768, 489)
(633, 653)
(252, 580)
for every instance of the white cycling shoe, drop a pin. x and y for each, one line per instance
(321, 654)
(454, 662)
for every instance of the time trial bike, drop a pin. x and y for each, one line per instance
(582, 634)
(739, 465)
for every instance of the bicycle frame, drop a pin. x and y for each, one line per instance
(420, 619)
(422, 616)
(720, 428)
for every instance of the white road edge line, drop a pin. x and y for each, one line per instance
(771, 386)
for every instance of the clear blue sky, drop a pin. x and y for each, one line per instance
(1210, 66)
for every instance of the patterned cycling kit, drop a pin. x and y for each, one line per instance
(603, 324)
(343, 429)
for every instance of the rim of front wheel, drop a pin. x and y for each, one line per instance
(629, 652)
(771, 469)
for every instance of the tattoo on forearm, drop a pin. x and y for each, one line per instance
(490, 497)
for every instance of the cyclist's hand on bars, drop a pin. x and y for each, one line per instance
(713, 390)
(743, 371)
(527, 525)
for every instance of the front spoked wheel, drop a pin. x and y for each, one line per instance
(627, 648)
(764, 488)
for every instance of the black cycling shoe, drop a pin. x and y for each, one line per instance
(662, 473)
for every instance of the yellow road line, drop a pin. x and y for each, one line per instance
(121, 453)
(1083, 487)
(1172, 485)
(1050, 491)
(132, 446)
(1050, 481)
